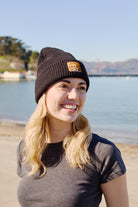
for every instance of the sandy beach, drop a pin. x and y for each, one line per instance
(11, 134)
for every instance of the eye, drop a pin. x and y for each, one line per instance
(64, 86)
(82, 88)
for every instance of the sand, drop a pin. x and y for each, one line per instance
(10, 136)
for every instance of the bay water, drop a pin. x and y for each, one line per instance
(111, 105)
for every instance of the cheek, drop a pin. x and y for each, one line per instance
(83, 99)
(49, 100)
(52, 100)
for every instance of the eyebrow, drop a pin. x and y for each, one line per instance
(67, 81)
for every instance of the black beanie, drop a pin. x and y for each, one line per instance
(55, 64)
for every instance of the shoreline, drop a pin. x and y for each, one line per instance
(15, 131)
(7, 128)
(11, 129)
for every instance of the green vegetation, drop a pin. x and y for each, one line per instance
(14, 54)
(11, 70)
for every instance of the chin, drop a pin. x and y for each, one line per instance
(70, 119)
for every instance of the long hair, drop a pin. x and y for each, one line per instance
(36, 132)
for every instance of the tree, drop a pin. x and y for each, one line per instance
(15, 47)
(33, 60)
(5, 44)
(34, 55)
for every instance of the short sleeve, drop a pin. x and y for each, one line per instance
(112, 164)
(106, 158)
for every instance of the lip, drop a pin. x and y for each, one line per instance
(70, 106)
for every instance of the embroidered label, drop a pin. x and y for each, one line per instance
(74, 66)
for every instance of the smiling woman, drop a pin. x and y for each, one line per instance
(61, 162)
(65, 99)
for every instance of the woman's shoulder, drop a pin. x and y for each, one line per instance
(98, 141)
(102, 148)
(106, 157)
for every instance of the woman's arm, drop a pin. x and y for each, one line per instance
(115, 192)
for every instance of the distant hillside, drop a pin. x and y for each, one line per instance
(12, 63)
(14, 54)
(128, 67)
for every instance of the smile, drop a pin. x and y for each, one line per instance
(70, 106)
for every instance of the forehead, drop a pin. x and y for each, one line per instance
(73, 80)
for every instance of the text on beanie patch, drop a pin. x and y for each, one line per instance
(74, 66)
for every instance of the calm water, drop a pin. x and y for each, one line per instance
(111, 105)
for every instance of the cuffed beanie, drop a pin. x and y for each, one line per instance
(55, 64)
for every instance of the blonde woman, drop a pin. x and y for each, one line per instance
(61, 162)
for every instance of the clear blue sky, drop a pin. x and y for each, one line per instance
(90, 29)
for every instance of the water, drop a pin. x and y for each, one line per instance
(111, 105)
(17, 100)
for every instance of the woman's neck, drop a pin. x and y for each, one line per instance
(58, 130)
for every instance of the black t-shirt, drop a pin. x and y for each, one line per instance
(63, 186)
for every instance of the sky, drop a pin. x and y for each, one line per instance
(103, 30)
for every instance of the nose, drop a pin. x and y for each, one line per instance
(73, 94)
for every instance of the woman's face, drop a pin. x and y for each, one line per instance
(65, 99)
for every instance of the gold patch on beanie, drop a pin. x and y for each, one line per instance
(74, 66)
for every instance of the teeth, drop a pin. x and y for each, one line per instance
(70, 106)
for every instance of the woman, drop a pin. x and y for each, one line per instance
(60, 161)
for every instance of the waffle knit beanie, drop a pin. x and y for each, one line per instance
(55, 64)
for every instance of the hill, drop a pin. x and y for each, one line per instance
(14, 54)
(128, 67)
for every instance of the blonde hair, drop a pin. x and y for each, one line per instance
(75, 144)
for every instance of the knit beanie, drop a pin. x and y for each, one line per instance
(55, 64)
